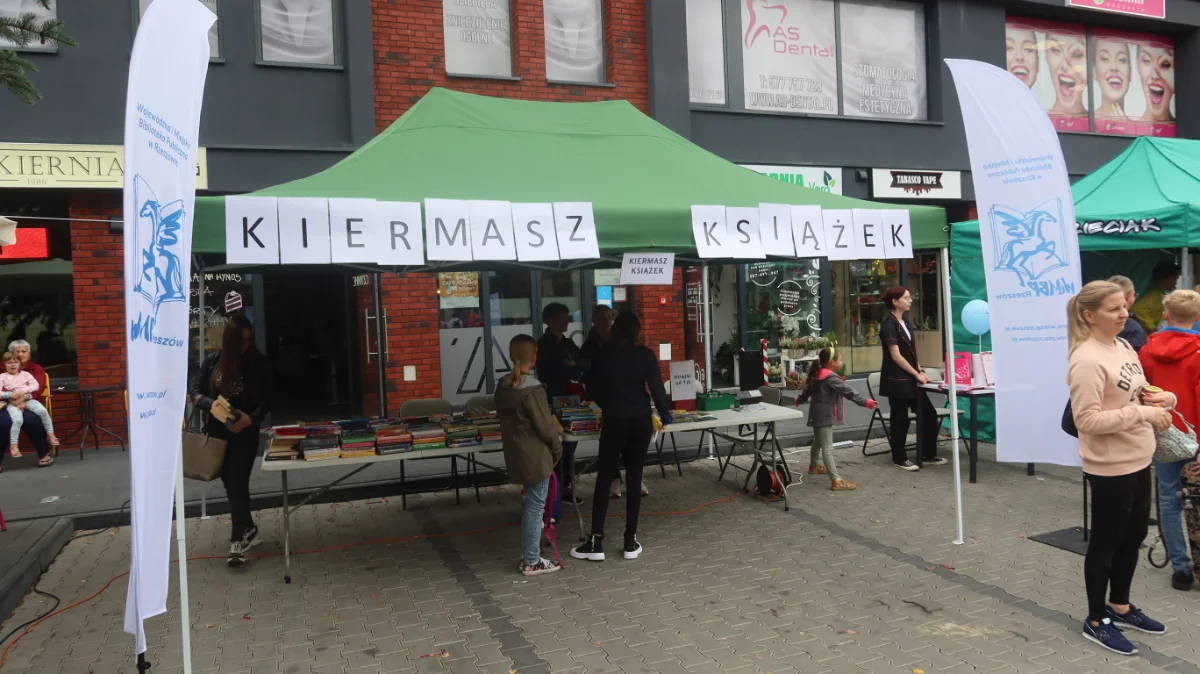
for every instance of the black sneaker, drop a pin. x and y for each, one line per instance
(237, 554)
(936, 461)
(632, 549)
(250, 539)
(1182, 581)
(592, 550)
(907, 465)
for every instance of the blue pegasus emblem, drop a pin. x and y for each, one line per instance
(156, 232)
(1029, 244)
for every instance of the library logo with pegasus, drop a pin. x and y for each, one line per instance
(156, 233)
(1031, 244)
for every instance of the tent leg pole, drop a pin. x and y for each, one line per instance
(181, 542)
(952, 381)
(704, 308)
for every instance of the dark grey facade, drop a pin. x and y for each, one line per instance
(964, 29)
(262, 124)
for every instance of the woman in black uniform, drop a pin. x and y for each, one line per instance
(899, 377)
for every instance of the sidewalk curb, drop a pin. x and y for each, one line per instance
(29, 568)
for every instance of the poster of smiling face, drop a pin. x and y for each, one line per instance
(1133, 83)
(1051, 58)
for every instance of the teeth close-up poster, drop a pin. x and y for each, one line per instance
(1106, 81)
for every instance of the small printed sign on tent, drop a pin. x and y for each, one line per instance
(647, 269)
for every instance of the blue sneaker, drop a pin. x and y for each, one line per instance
(1107, 635)
(1136, 620)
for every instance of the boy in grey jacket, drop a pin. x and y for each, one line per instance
(824, 390)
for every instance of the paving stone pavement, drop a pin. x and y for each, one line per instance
(864, 581)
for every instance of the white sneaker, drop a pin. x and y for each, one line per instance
(539, 567)
(251, 539)
(907, 465)
(615, 492)
(645, 489)
(237, 554)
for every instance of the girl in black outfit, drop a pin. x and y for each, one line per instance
(240, 373)
(627, 376)
(898, 381)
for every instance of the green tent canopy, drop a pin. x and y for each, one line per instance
(641, 178)
(1145, 201)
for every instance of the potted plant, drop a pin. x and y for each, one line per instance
(774, 374)
(795, 381)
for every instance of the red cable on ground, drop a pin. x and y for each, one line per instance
(377, 541)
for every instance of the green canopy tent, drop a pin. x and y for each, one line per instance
(640, 177)
(1131, 214)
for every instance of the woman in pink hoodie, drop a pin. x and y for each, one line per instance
(1116, 420)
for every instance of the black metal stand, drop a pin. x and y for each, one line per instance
(87, 413)
(142, 664)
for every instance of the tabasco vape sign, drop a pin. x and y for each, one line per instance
(915, 184)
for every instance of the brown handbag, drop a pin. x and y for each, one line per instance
(203, 455)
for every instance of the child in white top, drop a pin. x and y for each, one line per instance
(16, 389)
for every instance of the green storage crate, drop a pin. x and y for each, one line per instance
(712, 402)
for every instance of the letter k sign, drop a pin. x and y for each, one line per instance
(251, 230)
(709, 231)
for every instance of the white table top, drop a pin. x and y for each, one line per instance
(937, 387)
(755, 414)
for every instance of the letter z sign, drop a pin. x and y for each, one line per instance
(251, 230)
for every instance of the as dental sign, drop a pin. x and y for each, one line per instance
(269, 230)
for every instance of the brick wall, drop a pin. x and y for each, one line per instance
(410, 57)
(98, 258)
(409, 60)
(662, 323)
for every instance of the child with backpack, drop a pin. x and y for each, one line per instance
(532, 446)
(825, 389)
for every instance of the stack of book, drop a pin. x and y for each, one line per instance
(580, 420)
(283, 444)
(461, 434)
(394, 439)
(358, 439)
(322, 441)
(426, 434)
(487, 423)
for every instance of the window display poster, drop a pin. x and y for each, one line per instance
(883, 59)
(458, 290)
(788, 56)
(478, 37)
(574, 40)
(1051, 58)
(706, 52)
(1133, 83)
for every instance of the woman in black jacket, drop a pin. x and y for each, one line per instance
(627, 376)
(898, 380)
(240, 374)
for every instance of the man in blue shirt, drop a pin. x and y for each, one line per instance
(1133, 333)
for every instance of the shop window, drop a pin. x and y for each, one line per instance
(224, 294)
(783, 302)
(706, 51)
(458, 300)
(511, 298)
(574, 41)
(859, 311)
(789, 59)
(924, 284)
(566, 288)
(478, 37)
(37, 293)
(609, 291)
(214, 33)
(882, 51)
(16, 8)
(297, 32)
(1095, 79)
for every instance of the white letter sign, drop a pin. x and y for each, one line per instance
(303, 230)
(897, 233)
(708, 229)
(775, 229)
(839, 235)
(576, 227)
(809, 231)
(683, 380)
(403, 243)
(354, 230)
(533, 225)
(251, 230)
(447, 234)
(742, 230)
(492, 231)
(868, 234)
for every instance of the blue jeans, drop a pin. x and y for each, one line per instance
(531, 520)
(1171, 511)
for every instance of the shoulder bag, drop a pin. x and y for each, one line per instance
(203, 455)
(1068, 417)
(1173, 445)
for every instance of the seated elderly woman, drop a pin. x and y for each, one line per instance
(32, 425)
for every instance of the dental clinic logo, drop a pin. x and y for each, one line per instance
(767, 18)
(1031, 244)
(156, 234)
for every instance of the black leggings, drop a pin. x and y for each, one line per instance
(235, 474)
(898, 427)
(1120, 519)
(628, 438)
